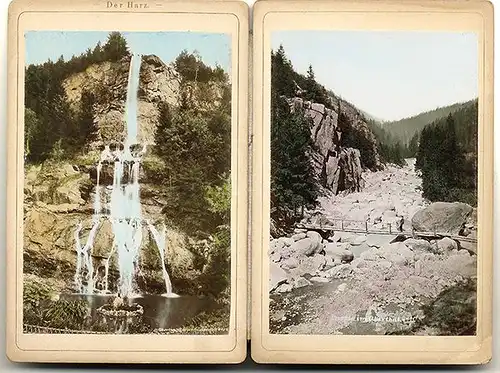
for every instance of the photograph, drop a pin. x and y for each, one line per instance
(373, 182)
(127, 182)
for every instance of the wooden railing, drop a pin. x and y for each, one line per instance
(358, 226)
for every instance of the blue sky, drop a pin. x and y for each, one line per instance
(388, 74)
(213, 48)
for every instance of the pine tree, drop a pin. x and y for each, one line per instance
(87, 129)
(115, 47)
(293, 185)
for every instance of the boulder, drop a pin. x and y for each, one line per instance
(298, 236)
(339, 252)
(306, 246)
(284, 288)
(277, 276)
(370, 255)
(287, 241)
(290, 263)
(442, 217)
(342, 271)
(397, 253)
(446, 245)
(311, 265)
(470, 247)
(418, 245)
(300, 282)
(315, 236)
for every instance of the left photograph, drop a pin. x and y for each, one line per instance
(127, 183)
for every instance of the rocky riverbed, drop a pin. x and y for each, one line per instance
(324, 282)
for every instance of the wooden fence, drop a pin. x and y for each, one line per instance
(358, 226)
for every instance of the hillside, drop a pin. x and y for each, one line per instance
(75, 109)
(447, 156)
(404, 129)
(318, 142)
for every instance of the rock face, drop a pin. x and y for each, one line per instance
(337, 168)
(442, 217)
(58, 196)
(108, 81)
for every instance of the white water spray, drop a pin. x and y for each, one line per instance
(161, 243)
(124, 206)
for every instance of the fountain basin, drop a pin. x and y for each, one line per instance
(159, 312)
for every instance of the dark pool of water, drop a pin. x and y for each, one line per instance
(159, 311)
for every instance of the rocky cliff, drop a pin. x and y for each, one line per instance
(337, 167)
(59, 194)
(108, 81)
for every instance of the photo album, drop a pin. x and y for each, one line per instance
(313, 179)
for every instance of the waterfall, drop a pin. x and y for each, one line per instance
(160, 240)
(131, 104)
(84, 264)
(123, 208)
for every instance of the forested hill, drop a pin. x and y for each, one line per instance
(447, 156)
(404, 129)
(318, 141)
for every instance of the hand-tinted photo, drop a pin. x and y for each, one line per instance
(373, 183)
(127, 188)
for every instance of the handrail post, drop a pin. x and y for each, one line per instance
(390, 230)
(342, 224)
(366, 226)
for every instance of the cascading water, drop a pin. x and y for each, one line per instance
(161, 242)
(123, 208)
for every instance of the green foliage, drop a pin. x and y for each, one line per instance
(403, 130)
(215, 279)
(357, 138)
(287, 82)
(115, 47)
(447, 157)
(195, 148)
(191, 68)
(52, 127)
(292, 177)
(192, 159)
(219, 198)
(40, 309)
(64, 314)
(31, 129)
(215, 320)
(35, 293)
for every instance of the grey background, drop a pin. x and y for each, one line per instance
(7, 366)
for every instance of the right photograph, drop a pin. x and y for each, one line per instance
(374, 148)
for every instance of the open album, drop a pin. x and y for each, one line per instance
(322, 185)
